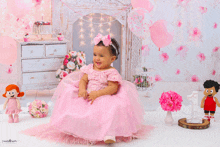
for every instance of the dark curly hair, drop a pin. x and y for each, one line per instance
(210, 84)
(112, 49)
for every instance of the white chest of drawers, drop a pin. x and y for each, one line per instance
(38, 62)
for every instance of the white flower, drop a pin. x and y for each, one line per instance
(73, 53)
(80, 60)
(71, 65)
(58, 72)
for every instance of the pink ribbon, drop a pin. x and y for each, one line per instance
(106, 39)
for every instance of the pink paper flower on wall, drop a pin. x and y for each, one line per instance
(177, 71)
(194, 78)
(195, 34)
(201, 57)
(158, 78)
(145, 50)
(179, 23)
(215, 49)
(182, 51)
(164, 57)
(203, 9)
(215, 25)
(213, 72)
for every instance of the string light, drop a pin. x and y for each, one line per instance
(82, 43)
(92, 29)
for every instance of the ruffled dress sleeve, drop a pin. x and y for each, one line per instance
(86, 68)
(113, 75)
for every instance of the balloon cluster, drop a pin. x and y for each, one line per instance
(140, 22)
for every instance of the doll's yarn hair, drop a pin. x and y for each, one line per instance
(11, 87)
(210, 84)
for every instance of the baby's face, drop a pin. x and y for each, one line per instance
(11, 94)
(102, 57)
(210, 91)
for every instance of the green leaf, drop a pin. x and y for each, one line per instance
(43, 105)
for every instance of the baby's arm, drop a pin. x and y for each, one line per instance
(217, 102)
(83, 85)
(112, 88)
(18, 103)
(5, 104)
(203, 101)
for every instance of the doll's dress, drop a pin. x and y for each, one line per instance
(76, 120)
(12, 107)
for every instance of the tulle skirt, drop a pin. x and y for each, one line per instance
(75, 120)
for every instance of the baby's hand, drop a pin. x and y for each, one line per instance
(93, 95)
(83, 93)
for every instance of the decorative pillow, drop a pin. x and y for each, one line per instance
(72, 62)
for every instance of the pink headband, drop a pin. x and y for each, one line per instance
(106, 41)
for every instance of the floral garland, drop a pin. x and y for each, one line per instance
(72, 62)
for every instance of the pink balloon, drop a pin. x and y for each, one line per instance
(19, 8)
(8, 50)
(146, 4)
(159, 34)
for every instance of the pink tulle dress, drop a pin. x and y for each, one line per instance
(12, 107)
(76, 120)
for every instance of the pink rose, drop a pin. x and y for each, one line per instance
(63, 74)
(46, 106)
(65, 62)
(67, 56)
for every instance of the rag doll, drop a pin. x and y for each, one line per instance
(14, 107)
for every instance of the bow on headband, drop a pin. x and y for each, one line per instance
(105, 39)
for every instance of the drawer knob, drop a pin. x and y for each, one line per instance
(51, 54)
(55, 50)
(32, 77)
(44, 64)
(32, 51)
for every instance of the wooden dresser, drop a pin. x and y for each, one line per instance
(38, 62)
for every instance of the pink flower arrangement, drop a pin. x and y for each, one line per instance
(170, 101)
(72, 62)
(38, 109)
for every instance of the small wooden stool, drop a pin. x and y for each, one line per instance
(182, 123)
